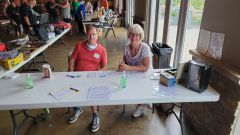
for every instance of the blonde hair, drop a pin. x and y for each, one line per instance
(136, 29)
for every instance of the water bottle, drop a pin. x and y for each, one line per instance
(123, 80)
(28, 82)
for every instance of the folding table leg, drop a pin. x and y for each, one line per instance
(180, 116)
(17, 127)
(124, 109)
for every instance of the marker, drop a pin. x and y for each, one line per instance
(74, 89)
(74, 76)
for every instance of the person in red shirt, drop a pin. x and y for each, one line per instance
(104, 3)
(88, 56)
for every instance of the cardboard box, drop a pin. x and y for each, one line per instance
(167, 79)
(10, 63)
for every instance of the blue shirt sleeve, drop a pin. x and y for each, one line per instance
(82, 9)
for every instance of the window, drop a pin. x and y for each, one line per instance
(160, 22)
(173, 26)
(193, 23)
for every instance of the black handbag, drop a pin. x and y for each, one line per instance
(42, 33)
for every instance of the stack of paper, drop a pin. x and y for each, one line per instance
(210, 43)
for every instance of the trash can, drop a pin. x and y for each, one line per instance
(161, 55)
(161, 59)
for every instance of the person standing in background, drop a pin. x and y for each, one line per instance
(89, 7)
(104, 3)
(75, 6)
(14, 16)
(3, 7)
(80, 16)
(96, 6)
(81, 2)
(115, 6)
(66, 12)
(29, 19)
(51, 9)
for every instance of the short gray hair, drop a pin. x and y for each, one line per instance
(136, 29)
(90, 27)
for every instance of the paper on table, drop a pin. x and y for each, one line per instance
(203, 41)
(11, 75)
(99, 93)
(136, 74)
(160, 90)
(101, 75)
(155, 76)
(216, 45)
(113, 73)
(91, 75)
(62, 93)
(98, 75)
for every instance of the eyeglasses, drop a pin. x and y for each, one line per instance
(132, 34)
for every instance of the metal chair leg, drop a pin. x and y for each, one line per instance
(106, 34)
(15, 129)
(113, 33)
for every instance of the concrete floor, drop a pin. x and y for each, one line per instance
(112, 121)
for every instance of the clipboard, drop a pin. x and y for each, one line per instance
(63, 92)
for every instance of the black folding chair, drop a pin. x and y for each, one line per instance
(110, 25)
(39, 36)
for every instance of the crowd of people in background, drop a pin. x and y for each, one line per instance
(24, 15)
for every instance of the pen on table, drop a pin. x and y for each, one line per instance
(74, 76)
(70, 76)
(74, 89)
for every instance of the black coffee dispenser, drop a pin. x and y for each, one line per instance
(198, 76)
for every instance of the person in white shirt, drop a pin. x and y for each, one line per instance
(137, 57)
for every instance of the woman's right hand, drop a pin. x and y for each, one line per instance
(123, 67)
(119, 69)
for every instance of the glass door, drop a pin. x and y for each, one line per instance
(193, 23)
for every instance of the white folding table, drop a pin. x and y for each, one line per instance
(39, 50)
(139, 91)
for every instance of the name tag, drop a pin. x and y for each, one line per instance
(96, 55)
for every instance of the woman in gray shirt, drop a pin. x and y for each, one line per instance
(66, 12)
(137, 57)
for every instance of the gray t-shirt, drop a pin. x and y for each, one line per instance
(144, 51)
(66, 12)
